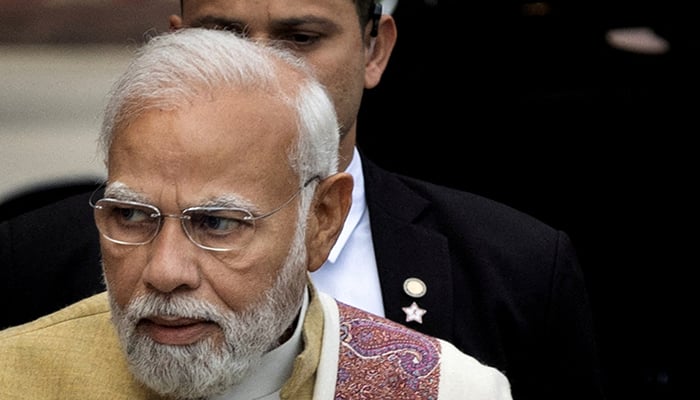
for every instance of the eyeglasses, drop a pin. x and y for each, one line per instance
(211, 228)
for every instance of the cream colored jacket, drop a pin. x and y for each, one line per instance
(74, 354)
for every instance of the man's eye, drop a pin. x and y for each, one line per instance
(300, 39)
(131, 214)
(221, 223)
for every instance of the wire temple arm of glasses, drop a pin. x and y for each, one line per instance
(313, 178)
(92, 200)
(267, 214)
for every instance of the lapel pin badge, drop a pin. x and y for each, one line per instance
(415, 288)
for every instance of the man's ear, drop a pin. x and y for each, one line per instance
(175, 22)
(378, 50)
(327, 215)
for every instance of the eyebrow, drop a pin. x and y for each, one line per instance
(292, 22)
(230, 201)
(120, 191)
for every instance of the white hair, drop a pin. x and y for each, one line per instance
(173, 69)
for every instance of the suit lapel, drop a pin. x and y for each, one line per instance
(407, 247)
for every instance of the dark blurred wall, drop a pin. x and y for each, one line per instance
(526, 103)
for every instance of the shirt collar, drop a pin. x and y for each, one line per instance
(266, 380)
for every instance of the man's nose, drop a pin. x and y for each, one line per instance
(173, 259)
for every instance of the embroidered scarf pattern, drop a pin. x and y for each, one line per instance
(381, 359)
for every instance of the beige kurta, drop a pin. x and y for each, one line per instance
(75, 354)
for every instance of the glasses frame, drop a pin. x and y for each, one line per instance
(183, 216)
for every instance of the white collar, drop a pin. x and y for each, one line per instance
(388, 6)
(265, 381)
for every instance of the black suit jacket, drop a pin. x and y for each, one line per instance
(49, 258)
(501, 285)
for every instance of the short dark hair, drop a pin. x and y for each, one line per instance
(365, 9)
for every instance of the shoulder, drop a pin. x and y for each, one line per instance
(382, 186)
(462, 373)
(402, 361)
(92, 311)
(465, 219)
(77, 332)
(72, 353)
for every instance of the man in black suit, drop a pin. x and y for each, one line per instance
(497, 283)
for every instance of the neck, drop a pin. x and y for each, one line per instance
(346, 148)
(289, 332)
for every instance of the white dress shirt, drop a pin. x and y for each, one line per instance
(350, 273)
(388, 6)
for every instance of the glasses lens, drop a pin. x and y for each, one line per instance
(126, 223)
(218, 229)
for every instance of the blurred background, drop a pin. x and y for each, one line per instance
(58, 59)
(579, 113)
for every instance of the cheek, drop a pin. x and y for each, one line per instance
(242, 281)
(341, 71)
(122, 267)
(346, 86)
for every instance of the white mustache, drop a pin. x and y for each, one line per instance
(152, 305)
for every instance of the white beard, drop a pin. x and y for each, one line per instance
(204, 369)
